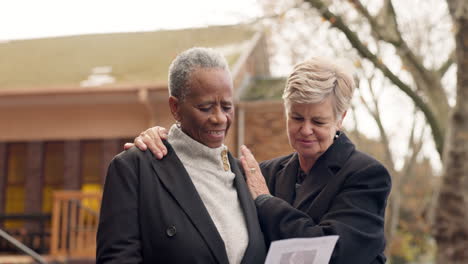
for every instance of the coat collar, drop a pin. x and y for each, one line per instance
(250, 213)
(286, 179)
(326, 166)
(175, 178)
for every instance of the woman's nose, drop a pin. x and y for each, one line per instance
(307, 129)
(218, 117)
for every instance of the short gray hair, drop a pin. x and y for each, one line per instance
(188, 61)
(314, 80)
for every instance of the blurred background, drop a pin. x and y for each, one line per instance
(78, 79)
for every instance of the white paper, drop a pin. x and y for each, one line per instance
(315, 250)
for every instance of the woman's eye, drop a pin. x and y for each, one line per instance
(204, 109)
(297, 118)
(227, 108)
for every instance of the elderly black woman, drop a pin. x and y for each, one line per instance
(327, 186)
(193, 206)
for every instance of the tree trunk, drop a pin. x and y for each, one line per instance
(451, 223)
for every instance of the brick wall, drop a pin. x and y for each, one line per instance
(265, 129)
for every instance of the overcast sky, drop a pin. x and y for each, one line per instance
(22, 19)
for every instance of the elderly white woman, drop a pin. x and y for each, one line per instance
(193, 206)
(327, 186)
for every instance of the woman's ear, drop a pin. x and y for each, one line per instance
(174, 105)
(340, 122)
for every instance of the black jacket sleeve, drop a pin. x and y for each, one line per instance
(118, 237)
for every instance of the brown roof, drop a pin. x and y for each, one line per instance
(134, 58)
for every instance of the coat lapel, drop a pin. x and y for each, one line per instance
(286, 180)
(175, 178)
(323, 172)
(313, 184)
(248, 206)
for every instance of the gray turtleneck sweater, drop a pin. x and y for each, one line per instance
(210, 172)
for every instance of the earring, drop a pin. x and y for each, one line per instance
(177, 123)
(337, 134)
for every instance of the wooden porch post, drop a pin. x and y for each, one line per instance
(34, 180)
(110, 148)
(72, 168)
(3, 177)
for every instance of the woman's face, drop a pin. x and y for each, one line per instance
(207, 111)
(312, 127)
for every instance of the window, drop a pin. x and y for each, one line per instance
(16, 172)
(91, 162)
(54, 162)
(91, 157)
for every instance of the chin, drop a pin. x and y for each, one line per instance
(307, 154)
(215, 144)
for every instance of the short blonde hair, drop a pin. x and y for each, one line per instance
(314, 80)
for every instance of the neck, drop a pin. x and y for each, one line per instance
(306, 164)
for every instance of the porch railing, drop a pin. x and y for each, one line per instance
(22, 247)
(75, 218)
(34, 231)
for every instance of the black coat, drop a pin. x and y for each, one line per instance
(345, 194)
(152, 213)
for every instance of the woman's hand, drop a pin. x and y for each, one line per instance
(255, 180)
(152, 139)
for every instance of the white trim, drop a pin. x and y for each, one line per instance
(245, 55)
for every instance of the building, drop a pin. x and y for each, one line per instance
(68, 104)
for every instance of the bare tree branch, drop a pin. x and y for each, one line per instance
(446, 65)
(416, 145)
(376, 27)
(274, 15)
(337, 22)
(365, 13)
(394, 204)
(356, 134)
(387, 30)
(378, 120)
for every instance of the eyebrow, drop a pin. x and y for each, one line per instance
(212, 102)
(322, 118)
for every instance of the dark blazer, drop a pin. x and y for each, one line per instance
(152, 213)
(345, 194)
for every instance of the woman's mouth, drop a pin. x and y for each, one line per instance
(306, 141)
(216, 133)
